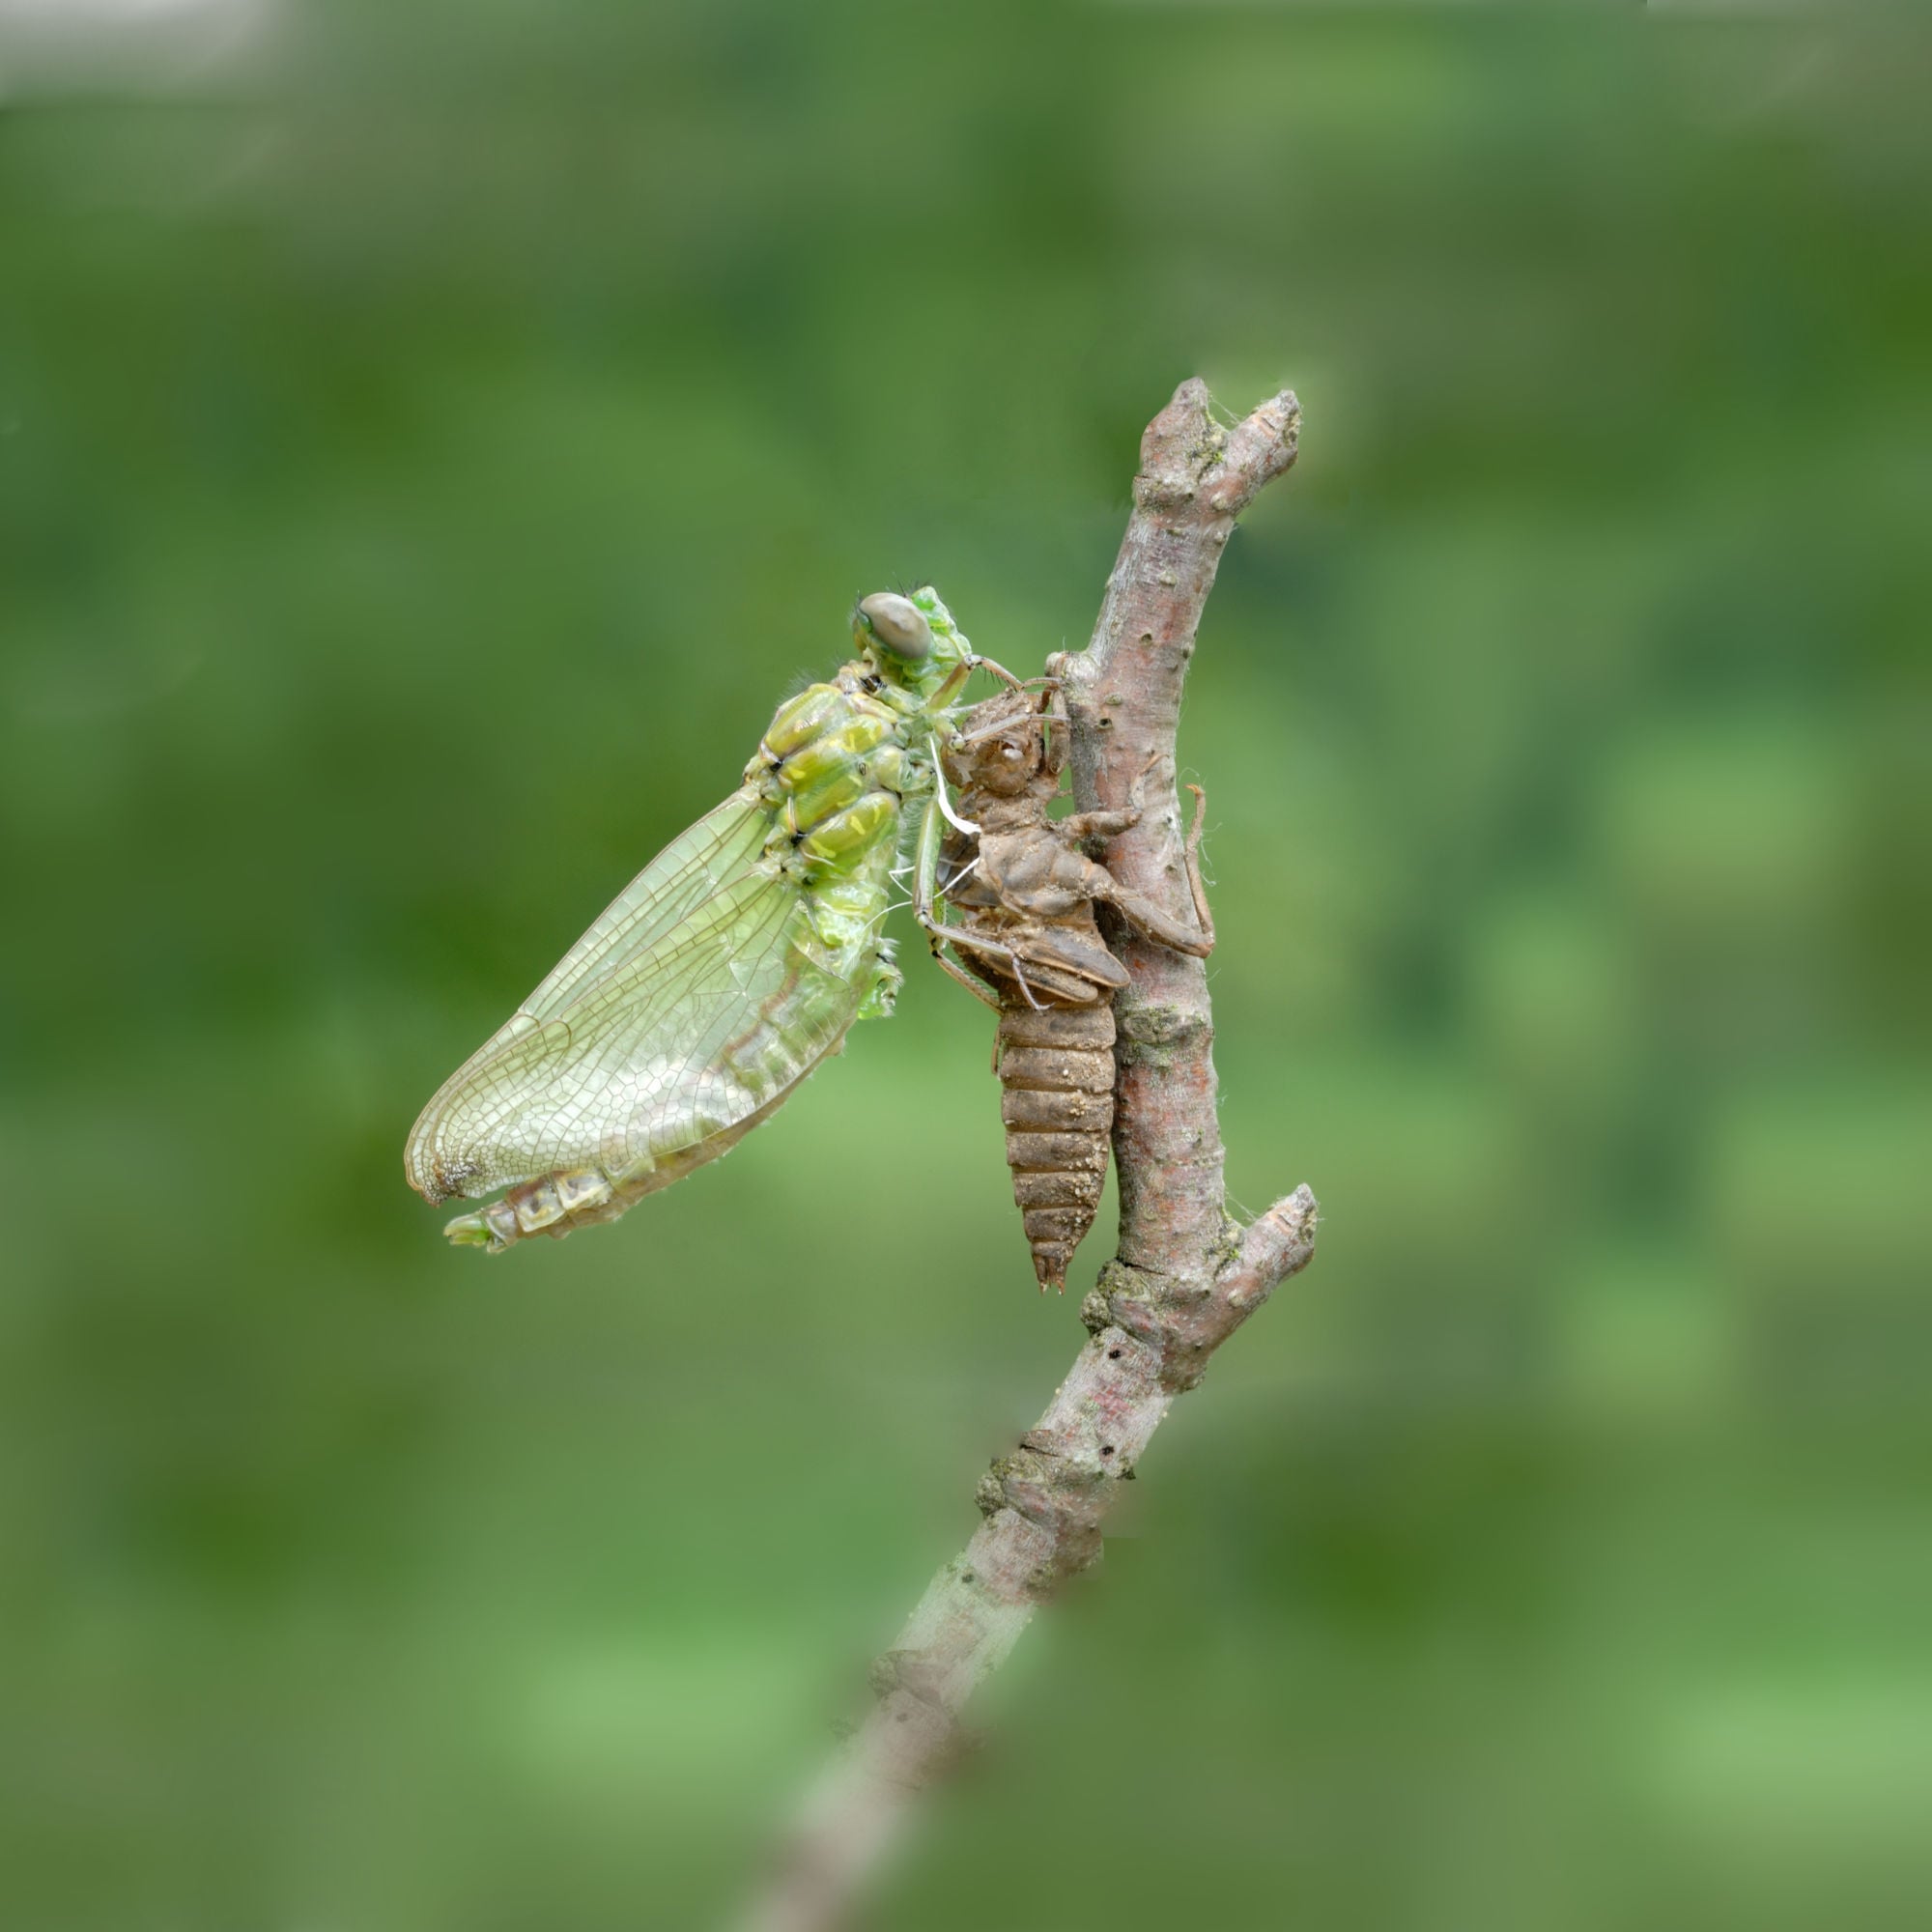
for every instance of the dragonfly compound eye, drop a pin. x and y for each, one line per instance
(896, 624)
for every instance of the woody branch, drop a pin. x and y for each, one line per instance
(1185, 1276)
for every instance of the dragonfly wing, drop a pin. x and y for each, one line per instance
(693, 1004)
(705, 858)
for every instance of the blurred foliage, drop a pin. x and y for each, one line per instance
(426, 453)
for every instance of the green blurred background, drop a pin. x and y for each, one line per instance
(431, 441)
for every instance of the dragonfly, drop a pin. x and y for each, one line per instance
(729, 969)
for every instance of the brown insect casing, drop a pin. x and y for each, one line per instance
(1019, 895)
(1056, 1068)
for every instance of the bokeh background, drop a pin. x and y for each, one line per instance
(433, 438)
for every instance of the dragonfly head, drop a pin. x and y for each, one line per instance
(912, 641)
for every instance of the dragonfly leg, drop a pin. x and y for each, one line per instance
(1019, 979)
(940, 935)
(977, 988)
(999, 670)
(1137, 791)
(998, 727)
(925, 865)
(960, 939)
(1079, 824)
(1147, 918)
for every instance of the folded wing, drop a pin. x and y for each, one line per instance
(691, 1006)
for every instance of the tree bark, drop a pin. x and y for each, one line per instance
(1185, 1276)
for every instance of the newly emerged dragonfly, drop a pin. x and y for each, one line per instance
(727, 970)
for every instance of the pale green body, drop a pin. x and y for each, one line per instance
(722, 974)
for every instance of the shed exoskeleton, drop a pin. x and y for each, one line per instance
(1019, 932)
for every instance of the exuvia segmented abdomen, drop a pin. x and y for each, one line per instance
(1056, 1069)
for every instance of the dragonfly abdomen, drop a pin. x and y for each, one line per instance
(567, 1199)
(553, 1206)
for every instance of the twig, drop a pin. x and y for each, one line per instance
(1185, 1278)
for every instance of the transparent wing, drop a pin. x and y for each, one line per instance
(692, 1004)
(703, 859)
